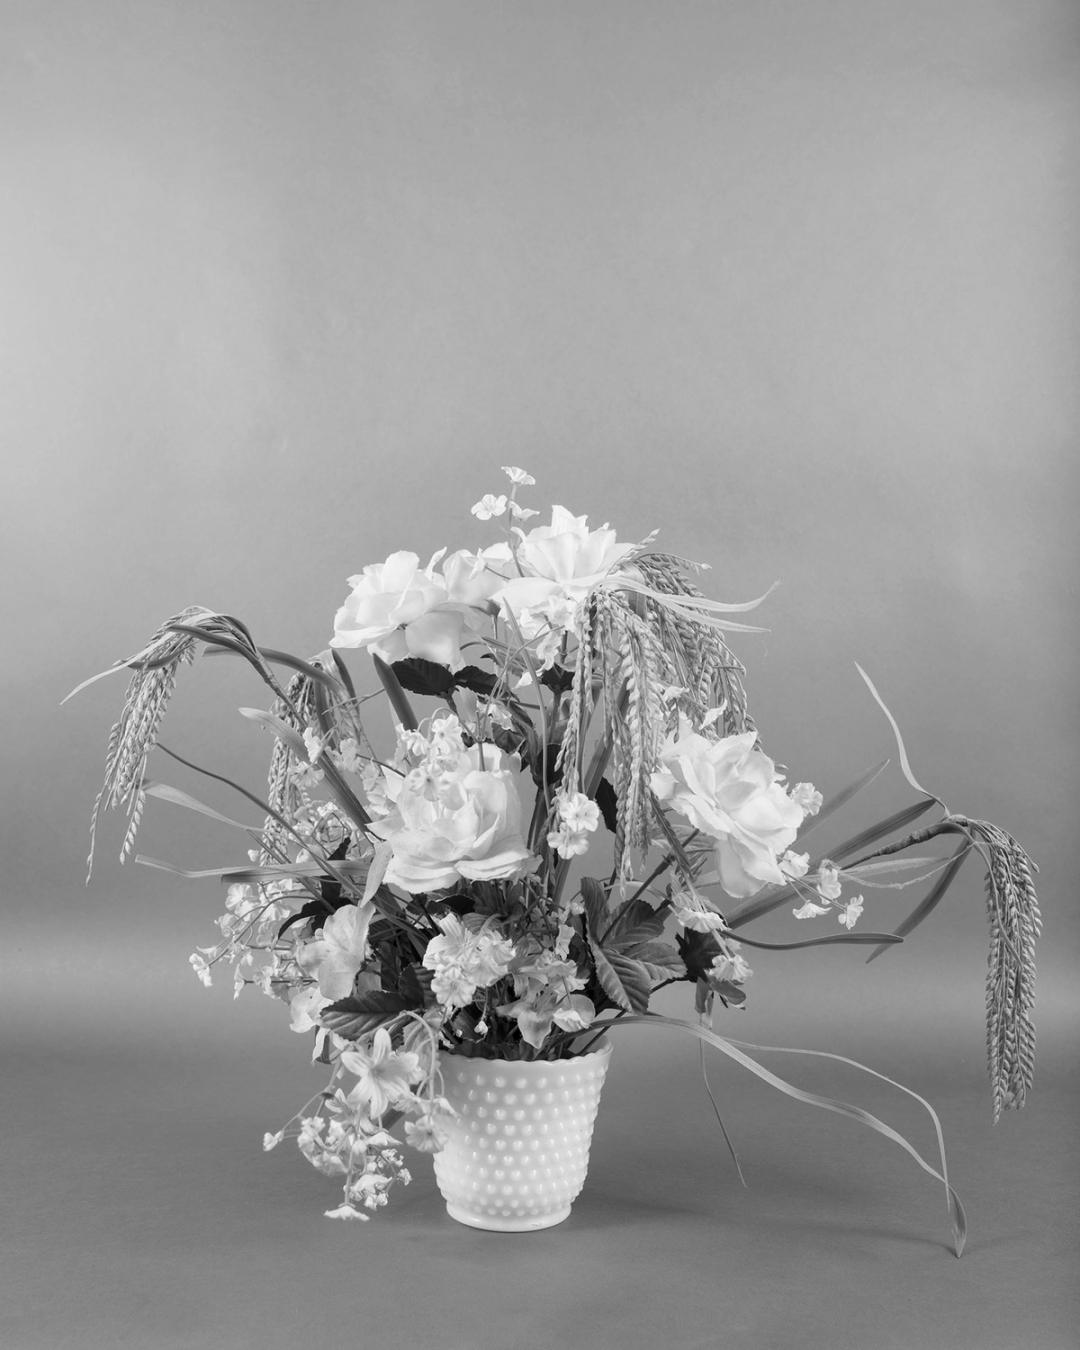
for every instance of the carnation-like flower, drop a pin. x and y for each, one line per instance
(462, 820)
(730, 791)
(464, 961)
(561, 561)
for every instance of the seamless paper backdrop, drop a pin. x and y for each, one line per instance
(284, 285)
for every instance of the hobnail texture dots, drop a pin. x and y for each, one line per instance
(519, 1148)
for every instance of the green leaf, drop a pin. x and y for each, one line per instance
(350, 1018)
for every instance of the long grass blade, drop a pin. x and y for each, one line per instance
(719, 1117)
(843, 797)
(931, 901)
(166, 793)
(734, 1051)
(833, 940)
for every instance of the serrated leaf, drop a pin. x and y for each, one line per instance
(352, 1017)
(415, 986)
(479, 681)
(638, 978)
(635, 921)
(657, 955)
(611, 983)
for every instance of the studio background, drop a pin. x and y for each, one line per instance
(282, 286)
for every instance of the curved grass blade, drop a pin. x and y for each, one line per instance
(734, 1051)
(398, 699)
(277, 658)
(923, 909)
(170, 794)
(904, 764)
(833, 940)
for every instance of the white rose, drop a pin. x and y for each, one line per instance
(561, 561)
(398, 609)
(463, 822)
(729, 790)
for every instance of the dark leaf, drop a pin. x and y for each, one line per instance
(608, 803)
(558, 680)
(415, 986)
(698, 951)
(417, 676)
(472, 677)
(314, 909)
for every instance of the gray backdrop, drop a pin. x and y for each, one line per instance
(282, 287)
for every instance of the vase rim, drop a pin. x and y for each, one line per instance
(602, 1051)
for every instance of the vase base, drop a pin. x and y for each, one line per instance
(508, 1223)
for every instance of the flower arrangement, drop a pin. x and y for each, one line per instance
(411, 900)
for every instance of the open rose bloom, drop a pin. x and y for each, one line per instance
(567, 808)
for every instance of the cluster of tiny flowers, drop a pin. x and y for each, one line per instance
(337, 1143)
(829, 889)
(492, 505)
(250, 926)
(578, 817)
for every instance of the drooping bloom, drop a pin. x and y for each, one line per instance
(384, 1076)
(730, 791)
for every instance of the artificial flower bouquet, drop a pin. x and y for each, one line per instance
(413, 899)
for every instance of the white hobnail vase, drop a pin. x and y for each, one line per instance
(519, 1147)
